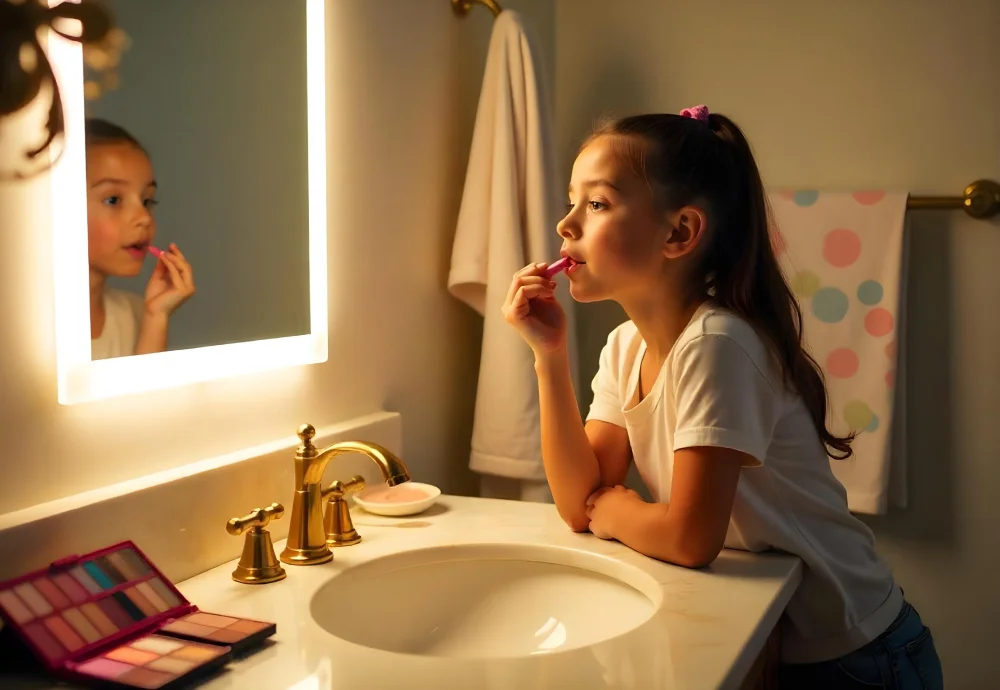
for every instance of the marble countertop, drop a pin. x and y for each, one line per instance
(709, 629)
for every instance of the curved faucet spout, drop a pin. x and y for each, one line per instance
(306, 543)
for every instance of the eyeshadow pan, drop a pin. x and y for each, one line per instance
(165, 593)
(112, 572)
(171, 665)
(51, 593)
(182, 627)
(248, 627)
(60, 628)
(115, 612)
(129, 655)
(138, 566)
(81, 576)
(70, 588)
(102, 580)
(15, 608)
(141, 602)
(122, 566)
(197, 654)
(145, 678)
(157, 644)
(130, 608)
(103, 668)
(210, 619)
(227, 636)
(37, 633)
(82, 626)
(154, 598)
(33, 599)
(100, 619)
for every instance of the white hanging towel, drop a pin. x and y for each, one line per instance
(845, 255)
(508, 216)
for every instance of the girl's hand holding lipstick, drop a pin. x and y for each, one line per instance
(171, 284)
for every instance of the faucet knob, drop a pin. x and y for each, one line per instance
(258, 565)
(307, 432)
(258, 517)
(337, 521)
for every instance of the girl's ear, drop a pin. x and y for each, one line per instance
(688, 225)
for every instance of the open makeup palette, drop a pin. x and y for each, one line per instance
(110, 618)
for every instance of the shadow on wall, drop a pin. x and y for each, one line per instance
(930, 517)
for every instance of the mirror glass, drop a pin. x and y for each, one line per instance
(200, 152)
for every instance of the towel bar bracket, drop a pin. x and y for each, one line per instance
(462, 7)
(980, 200)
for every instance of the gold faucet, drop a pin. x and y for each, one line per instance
(306, 543)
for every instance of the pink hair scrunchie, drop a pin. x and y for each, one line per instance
(699, 112)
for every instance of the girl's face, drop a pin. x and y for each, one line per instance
(120, 200)
(612, 225)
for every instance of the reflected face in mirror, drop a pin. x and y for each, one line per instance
(121, 194)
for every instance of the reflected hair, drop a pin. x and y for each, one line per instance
(98, 131)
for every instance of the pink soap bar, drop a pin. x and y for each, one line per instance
(402, 494)
(560, 265)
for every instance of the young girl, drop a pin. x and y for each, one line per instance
(708, 391)
(121, 193)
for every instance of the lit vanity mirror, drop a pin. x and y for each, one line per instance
(189, 203)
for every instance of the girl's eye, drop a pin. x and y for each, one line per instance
(597, 205)
(113, 200)
(151, 203)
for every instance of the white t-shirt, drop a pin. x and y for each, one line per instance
(719, 386)
(122, 315)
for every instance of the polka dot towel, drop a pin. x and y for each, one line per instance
(842, 254)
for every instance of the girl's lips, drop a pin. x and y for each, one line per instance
(136, 252)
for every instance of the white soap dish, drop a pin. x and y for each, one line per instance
(408, 498)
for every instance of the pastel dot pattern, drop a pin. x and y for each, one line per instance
(842, 363)
(805, 284)
(836, 273)
(841, 247)
(829, 305)
(870, 292)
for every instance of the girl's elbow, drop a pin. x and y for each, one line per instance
(696, 556)
(578, 522)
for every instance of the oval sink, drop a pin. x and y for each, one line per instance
(482, 601)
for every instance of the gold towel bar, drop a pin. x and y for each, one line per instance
(462, 7)
(980, 200)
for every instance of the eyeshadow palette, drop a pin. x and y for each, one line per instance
(239, 633)
(112, 618)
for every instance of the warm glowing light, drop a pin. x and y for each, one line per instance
(80, 379)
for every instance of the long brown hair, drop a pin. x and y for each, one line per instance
(692, 161)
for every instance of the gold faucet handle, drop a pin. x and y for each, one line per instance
(258, 517)
(258, 565)
(339, 489)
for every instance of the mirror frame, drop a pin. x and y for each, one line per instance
(83, 380)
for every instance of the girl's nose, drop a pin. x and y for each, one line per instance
(568, 228)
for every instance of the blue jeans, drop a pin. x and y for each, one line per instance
(901, 658)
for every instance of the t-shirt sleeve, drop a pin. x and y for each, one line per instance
(607, 403)
(723, 399)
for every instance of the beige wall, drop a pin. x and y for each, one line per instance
(400, 124)
(854, 95)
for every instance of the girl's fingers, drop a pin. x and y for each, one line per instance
(528, 281)
(182, 270)
(175, 275)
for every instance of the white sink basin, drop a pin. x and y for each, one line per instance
(483, 601)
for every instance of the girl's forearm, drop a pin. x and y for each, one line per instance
(152, 335)
(571, 467)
